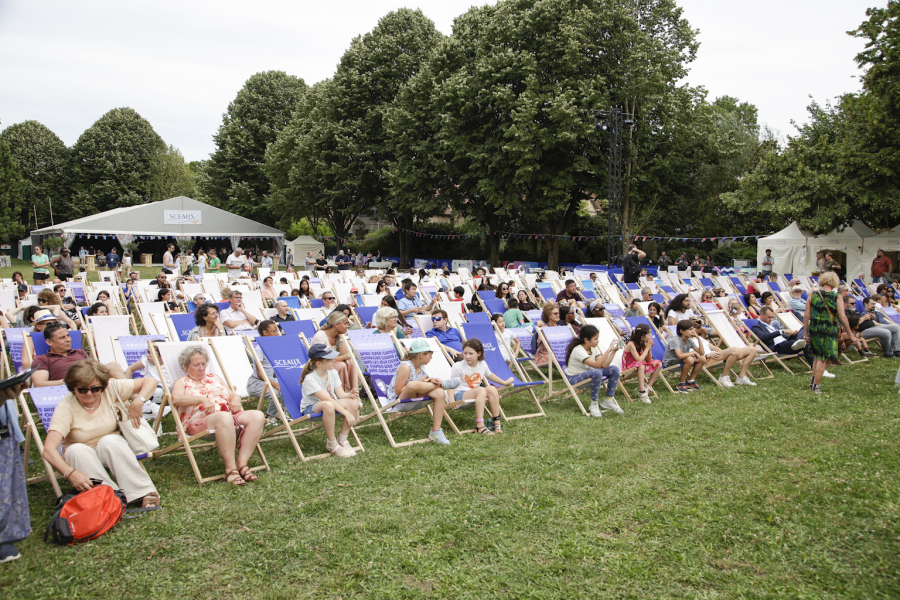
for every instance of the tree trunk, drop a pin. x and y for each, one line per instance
(628, 207)
(493, 223)
(553, 254)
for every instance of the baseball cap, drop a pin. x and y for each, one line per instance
(418, 346)
(595, 305)
(22, 287)
(44, 315)
(321, 351)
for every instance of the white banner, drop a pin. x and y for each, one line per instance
(181, 217)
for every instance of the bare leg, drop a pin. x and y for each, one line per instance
(730, 358)
(688, 363)
(480, 398)
(641, 384)
(747, 355)
(223, 423)
(327, 410)
(352, 406)
(818, 369)
(253, 422)
(493, 398)
(655, 372)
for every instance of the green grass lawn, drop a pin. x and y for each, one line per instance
(768, 493)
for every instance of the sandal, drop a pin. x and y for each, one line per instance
(483, 430)
(237, 479)
(498, 427)
(246, 474)
(151, 500)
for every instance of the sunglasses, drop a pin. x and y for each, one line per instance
(436, 319)
(328, 298)
(85, 390)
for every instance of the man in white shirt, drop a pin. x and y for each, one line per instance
(169, 265)
(235, 262)
(236, 317)
(266, 262)
(310, 262)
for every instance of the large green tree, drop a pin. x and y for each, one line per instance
(42, 160)
(112, 163)
(12, 189)
(171, 176)
(234, 177)
(844, 163)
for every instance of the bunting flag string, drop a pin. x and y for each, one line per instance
(512, 235)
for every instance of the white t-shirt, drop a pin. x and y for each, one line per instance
(234, 264)
(509, 337)
(313, 384)
(229, 314)
(682, 316)
(470, 378)
(576, 365)
(168, 262)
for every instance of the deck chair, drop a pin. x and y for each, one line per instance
(45, 400)
(494, 306)
(295, 328)
(15, 342)
(378, 355)
(145, 309)
(780, 358)
(556, 340)
(489, 337)
(288, 358)
(179, 326)
(365, 314)
(129, 349)
(732, 338)
(478, 317)
(232, 356)
(35, 343)
(102, 330)
(608, 335)
(168, 353)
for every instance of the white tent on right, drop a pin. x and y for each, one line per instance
(847, 246)
(788, 248)
(889, 241)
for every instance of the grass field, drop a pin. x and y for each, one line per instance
(766, 493)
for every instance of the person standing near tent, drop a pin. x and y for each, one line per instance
(169, 265)
(310, 262)
(235, 263)
(768, 263)
(881, 265)
(822, 323)
(289, 261)
(832, 266)
(39, 261)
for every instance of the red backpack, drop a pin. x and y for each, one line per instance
(86, 515)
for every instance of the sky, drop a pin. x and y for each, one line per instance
(179, 64)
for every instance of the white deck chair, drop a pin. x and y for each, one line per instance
(232, 356)
(732, 338)
(168, 353)
(102, 332)
(145, 310)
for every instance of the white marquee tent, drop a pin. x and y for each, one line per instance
(789, 249)
(175, 217)
(302, 245)
(849, 241)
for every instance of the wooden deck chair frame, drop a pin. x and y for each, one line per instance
(552, 364)
(31, 432)
(732, 338)
(515, 370)
(779, 358)
(386, 416)
(287, 428)
(185, 443)
(608, 333)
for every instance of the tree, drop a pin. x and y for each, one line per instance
(170, 176)
(234, 176)
(12, 189)
(112, 163)
(42, 160)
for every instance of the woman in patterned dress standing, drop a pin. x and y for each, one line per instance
(822, 320)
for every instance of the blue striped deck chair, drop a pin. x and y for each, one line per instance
(295, 328)
(40, 345)
(15, 341)
(494, 306)
(478, 317)
(490, 338)
(316, 303)
(532, 315)
(292, 301)
(589, 295)
(546, 292)
(890, 312)
(738, 285)
(365, 314)
(378, 354)
(863, 288)
(556, 340)
(288, 358)
(659, 299)
(707, 283)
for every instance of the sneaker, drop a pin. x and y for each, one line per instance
(897, 354)
(595, 410)
(611, 404)
(338, 450)
(151, 409)
(693, 385)
(866, 353)
(346, 446)
(439, 437)
(816, 389)
(9, 552)
(450, 384)
(272, 421)
(644, 396)
(744, 381)
(798, 345)
(828, 375)
(725, 380)
(683, 388)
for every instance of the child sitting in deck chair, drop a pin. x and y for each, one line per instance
(323, 393)
(513, 317)
(585, 361)
(410, 381)
(511, 339)
(682, 349)
(472, 371)
(639, 355)
(745, 355)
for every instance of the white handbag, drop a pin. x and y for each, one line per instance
(142, 440)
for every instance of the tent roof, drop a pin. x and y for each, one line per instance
(856, 232)
(306, 239)
(787, 236)
(888, 237)
(147, 219)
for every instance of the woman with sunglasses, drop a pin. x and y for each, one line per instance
(502, 293)
(524, 303)
(86, 425)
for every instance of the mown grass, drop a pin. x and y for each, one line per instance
(764, 493)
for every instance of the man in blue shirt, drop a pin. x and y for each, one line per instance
(448, 337)
(410, 303)
(112, 259)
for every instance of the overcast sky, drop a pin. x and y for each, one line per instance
(179, 64)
